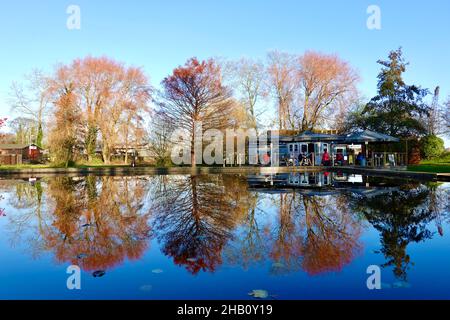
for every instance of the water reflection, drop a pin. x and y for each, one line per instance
(92, 222)
(195, 216)
(311, 222)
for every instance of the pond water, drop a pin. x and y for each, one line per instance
(294, 236)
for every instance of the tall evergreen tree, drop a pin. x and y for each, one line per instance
(398, 108)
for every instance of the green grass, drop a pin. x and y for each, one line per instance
(52, 166)
(438, 168)
(25, 166)
(440, 165)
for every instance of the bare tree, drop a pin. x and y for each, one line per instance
(248, 77)
(25, 130)
(284, 84)
(160, 142)
(31, 99)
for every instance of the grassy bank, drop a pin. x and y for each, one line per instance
(439, 165)
(50, 166)
(435, 168)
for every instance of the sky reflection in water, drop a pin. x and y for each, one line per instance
(221, 237)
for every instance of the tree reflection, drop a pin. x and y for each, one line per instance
(93, 222)
(99, 222)
(401, 216)
(98, 232)
(315, 233)
(332, 235)
(195, 217)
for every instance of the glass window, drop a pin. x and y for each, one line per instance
(304, 148)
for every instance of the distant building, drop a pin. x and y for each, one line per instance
(310, 148)
(11, 154)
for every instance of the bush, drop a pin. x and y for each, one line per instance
(432, 147)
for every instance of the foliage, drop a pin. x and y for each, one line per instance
(398, 107)
(311, 89)
(109, 96)
(195, 93)
(63, 135)
(432, 147)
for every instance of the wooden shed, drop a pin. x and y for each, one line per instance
(12, 154)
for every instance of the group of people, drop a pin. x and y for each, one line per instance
(326, 159)
(339, 159)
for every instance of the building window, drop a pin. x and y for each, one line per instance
(304, 148)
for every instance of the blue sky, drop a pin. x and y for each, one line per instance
(160, 35)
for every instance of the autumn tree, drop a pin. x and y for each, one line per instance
(109, 96)
(194, 93)
(31, 99)
(126, 101)
(64, 131)
(327, 87)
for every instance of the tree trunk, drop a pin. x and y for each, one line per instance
(106, 154)
(193, 155)
(90, 142)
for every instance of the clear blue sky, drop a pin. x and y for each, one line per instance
(159, 35)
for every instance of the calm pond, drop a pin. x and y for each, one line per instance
(293, 236)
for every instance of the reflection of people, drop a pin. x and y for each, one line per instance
(326, 158)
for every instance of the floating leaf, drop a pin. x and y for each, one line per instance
(259, 294)
(99, 273)
(157, 271)
(277, 265)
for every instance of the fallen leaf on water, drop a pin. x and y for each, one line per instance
(259, 294)
(157, 271)
(99, 273)
(278, 265)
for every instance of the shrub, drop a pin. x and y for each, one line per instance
(432, 147)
